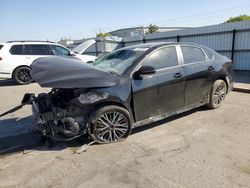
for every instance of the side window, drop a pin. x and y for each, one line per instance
(40, 49)
(1, 46)
(27, 50)
(162, 58)
(210, 55)
(58, 50)
(16, 50)
(192, 54)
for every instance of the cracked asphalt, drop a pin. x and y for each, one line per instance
(200, 148)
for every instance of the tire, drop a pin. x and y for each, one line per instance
(110, 124)
(22, 75)
(217, 94)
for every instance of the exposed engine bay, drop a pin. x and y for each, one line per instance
(62, 114)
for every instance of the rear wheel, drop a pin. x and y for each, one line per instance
(111, 124)
(218, 94)
(22, 75)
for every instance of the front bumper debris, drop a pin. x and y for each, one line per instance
(27, 99)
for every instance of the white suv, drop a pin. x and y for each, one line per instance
(17, 56)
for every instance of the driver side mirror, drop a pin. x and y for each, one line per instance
(144, 70)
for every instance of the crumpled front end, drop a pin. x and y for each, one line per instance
(63, 114)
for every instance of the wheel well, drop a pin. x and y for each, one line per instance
(109, 103)
(17, 68)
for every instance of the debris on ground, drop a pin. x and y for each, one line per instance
(26, 151)
(83, 148)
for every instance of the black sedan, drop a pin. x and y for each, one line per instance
(130, 87)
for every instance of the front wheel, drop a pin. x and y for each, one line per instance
(111, 124)
(218, 94)
(22, 75)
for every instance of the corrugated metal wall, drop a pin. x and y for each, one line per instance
(217, 37)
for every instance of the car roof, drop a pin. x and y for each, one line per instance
(29, 42)
(159, 44)
(150, 45)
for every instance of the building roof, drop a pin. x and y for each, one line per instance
(129, 28)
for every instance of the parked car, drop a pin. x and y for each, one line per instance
(130, 87)
(17, 56)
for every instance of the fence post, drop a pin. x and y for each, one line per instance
(233, 45)
(96, 49)
(178, 38)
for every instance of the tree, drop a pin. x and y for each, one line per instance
(152, 28)
(103, 34)
(238, 18)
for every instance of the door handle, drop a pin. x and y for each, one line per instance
(210, 68)
(178, 75)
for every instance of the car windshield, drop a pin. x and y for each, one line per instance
(117, 62)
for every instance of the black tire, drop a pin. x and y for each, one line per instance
(22, 75)
(103, 131)
(217, 94)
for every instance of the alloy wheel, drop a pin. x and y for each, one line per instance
(111, 127)
(23, 75)
(220, 93)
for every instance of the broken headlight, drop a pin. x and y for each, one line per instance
(91, 97)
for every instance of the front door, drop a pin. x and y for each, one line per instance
(162, 91)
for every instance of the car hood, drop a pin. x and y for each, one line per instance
(67, 72)
(84, 46)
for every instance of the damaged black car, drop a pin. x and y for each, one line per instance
(127, 88)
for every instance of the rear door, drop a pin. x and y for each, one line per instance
(162, 91)
(25, 54)
(198, 72)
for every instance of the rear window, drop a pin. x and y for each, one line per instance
(192, 54)
(40, 49)
(16, 50)
(1, 46)
(210, 55)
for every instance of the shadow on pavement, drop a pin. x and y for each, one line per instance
(7, 82)
(17, 135)
(31, 140)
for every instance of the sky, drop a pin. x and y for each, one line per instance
(78, 19)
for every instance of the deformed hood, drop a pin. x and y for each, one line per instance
(69, 72)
